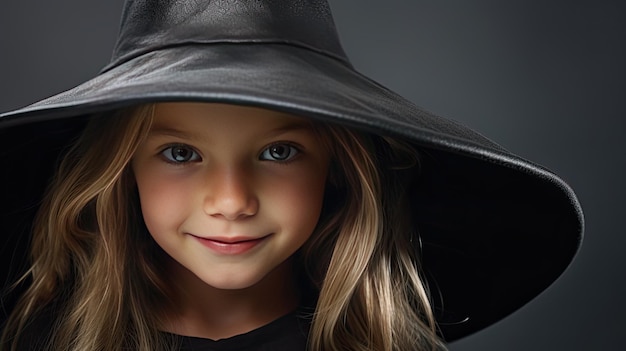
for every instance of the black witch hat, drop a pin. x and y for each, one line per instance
(495, 229)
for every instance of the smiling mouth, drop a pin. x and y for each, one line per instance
(230, 245)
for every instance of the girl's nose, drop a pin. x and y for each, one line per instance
(230, 195)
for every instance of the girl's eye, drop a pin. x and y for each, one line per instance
(180, 154)
(279, 152)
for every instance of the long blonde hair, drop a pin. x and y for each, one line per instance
(85, 234)
(371, 294)
(93, 260)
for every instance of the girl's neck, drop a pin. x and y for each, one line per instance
(201, 310)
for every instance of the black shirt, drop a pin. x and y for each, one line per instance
(288, 333)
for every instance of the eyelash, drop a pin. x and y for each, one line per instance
(169, 148)
(294, 151)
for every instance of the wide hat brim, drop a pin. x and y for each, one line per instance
(495, 229)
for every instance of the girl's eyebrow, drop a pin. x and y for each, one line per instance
(291, 126)
(169, 131)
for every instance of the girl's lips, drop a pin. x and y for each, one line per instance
(230, 246)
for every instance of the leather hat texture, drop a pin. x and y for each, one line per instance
(496, 230)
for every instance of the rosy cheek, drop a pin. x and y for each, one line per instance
(157, 201)
(304, 202)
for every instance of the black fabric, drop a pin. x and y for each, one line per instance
(288, 333)
(302, 23)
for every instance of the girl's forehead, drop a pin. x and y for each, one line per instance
(197, 117)
(202, 112)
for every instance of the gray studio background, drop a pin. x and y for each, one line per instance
(546, 79)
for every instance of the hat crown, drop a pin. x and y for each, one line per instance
(149, 25)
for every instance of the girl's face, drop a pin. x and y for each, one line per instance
(230, 192)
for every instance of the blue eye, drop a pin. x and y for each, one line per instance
(279, 152)
(180, 154)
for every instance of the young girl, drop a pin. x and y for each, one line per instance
(229, 182)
